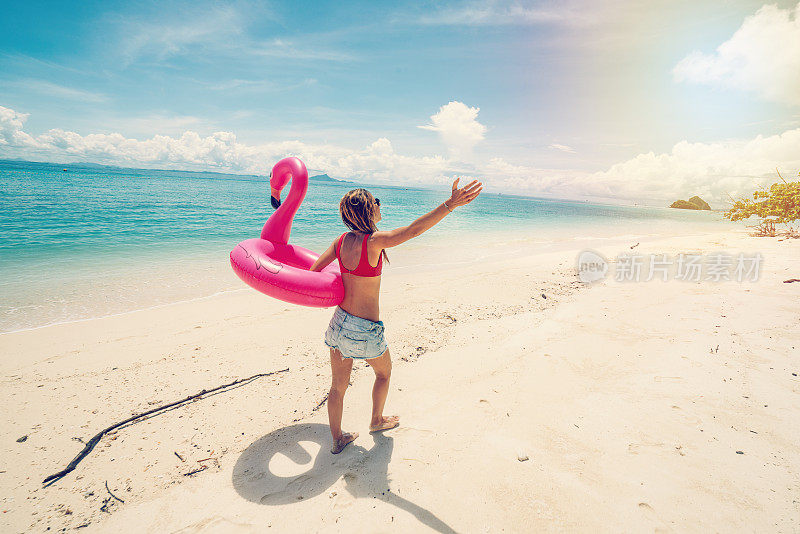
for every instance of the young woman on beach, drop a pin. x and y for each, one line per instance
(355, 331)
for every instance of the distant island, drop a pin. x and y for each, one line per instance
(694, 203)
(85, 165)
(326, 178)
(322, 178)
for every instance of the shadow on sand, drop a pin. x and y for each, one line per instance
(365, 472)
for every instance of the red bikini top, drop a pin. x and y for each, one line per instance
(363, 268)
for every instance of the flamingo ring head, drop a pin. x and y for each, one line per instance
(280, 175)
(275, 194)
(275, 197)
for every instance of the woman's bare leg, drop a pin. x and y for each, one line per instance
(382, 366)
(340, 370)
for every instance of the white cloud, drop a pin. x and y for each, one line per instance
(531, 180)
(237, 84)
(218, 31)
(458, 127)
(59, 91)
(159, 40)
(762, 56)
(163, 123)
(11, 133)
(562, 148)
(221, 151)
(285, 49)
(711, 170)
(494, 13)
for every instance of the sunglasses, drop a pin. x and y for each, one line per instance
(356, 202)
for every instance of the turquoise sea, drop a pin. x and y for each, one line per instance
(82, 241)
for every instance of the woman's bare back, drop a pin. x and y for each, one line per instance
(361, 293)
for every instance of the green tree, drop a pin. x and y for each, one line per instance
(780, 204)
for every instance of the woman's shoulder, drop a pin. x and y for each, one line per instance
(375, 242)
(357, 237)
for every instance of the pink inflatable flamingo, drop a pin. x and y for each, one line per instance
(273, 266)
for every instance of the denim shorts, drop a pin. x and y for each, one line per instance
(355, 337)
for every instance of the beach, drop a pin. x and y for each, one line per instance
(83, 243)
(589, 329)
(529, 401)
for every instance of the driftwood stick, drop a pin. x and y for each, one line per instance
(96, 439)
(321, 403)
(109, 492)
(195, 471)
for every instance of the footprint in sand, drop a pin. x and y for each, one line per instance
(218, 524)
(295, 490)
(635, 448)
(421, 432)
(651, 514)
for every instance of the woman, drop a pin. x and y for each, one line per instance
(355, 330)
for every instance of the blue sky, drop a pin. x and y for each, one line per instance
(565, 90)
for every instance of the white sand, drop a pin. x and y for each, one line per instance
(629, 415)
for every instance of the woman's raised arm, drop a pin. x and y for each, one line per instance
(459, 197)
